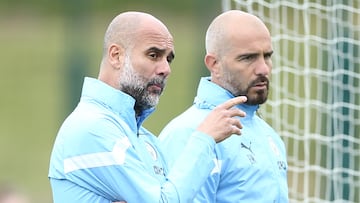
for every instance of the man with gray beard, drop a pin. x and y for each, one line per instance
(102, 153)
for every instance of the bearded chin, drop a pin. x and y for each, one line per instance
(254, 97)
(258, 98)
(147, 101)
(143, 98)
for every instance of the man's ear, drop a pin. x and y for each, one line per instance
(116, 55)
(212, 64)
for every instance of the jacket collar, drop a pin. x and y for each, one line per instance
(116, 100)
(210, 95)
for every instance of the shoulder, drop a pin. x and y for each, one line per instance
(94, 130)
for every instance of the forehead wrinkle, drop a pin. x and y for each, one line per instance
(154, 38)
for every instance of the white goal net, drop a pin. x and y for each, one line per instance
(314, 102)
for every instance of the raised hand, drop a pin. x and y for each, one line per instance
(222, 120)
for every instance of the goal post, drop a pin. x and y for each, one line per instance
(314, 101)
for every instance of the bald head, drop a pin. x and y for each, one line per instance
(229, 25)
(125, 28)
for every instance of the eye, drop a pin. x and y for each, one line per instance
(169, 59)
(268, 56)
(153, 55)
(247, 57)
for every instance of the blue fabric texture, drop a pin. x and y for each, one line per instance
(251, 167)
(103, 154)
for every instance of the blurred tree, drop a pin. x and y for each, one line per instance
(76, 54)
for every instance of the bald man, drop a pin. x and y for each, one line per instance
(103, 154)
(251, 167)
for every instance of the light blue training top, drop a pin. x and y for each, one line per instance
(250, 168)
(103, 154)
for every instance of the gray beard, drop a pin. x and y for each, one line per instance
(136, 86)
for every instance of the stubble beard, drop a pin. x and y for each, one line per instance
(135, 85)
(254, 97)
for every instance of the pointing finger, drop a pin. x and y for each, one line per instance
(232, 102)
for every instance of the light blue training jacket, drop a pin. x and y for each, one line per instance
(250, 168)
(102, 154)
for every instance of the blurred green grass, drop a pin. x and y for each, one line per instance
(30, 100)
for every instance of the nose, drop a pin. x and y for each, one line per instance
(163, 68)
(263, 67)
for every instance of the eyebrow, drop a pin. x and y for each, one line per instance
(255, 54)
(157, 50)
(162, 52)
(269, 52)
